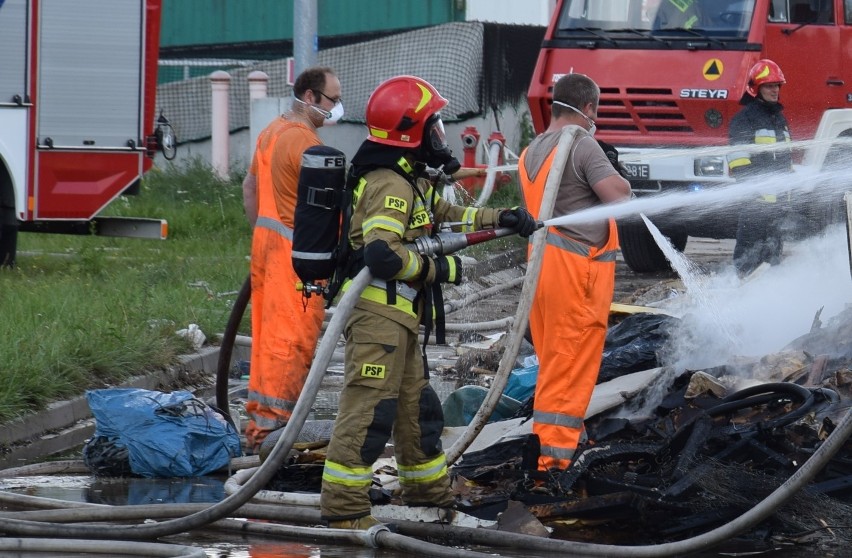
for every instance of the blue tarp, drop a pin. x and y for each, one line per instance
(166, 434)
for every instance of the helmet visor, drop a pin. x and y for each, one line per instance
(436, 135)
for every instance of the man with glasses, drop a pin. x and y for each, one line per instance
(570, 310)
(285, 325)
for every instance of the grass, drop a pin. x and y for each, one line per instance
(84, 312)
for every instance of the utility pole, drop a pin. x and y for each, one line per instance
(304, 34)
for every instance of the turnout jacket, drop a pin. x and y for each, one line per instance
(390, 211)
(763, 124)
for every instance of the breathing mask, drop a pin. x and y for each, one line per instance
(434, 150)
(331, 116)
(592, 125)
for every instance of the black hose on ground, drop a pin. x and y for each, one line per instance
(226, 349)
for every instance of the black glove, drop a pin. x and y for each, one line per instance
(612, 154)
(448, 269)
(519, 219)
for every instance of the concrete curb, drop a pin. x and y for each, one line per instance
(64, 425)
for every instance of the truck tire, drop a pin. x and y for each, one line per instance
(639, 249)
(8, 245)
(8, 222)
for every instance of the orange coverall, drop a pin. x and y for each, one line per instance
(285, 326)
(568, 323)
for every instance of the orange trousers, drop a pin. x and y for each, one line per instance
(285, 328)
(568, 322)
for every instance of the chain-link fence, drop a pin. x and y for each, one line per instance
(476, 66)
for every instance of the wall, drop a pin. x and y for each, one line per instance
(348, 137)
(528, 12)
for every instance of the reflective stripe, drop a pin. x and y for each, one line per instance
(403, 290)
(312, 255)
(379, 295)
(558, 453)
(558, 419)
(270, 401)
(764, 136)
(347, 476)
(277, 226)
(412, 270)
(469, 219)
(266, 423)
(426, 472)
(383, 222)
(575, 247)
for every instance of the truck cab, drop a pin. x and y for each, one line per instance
(672, 73)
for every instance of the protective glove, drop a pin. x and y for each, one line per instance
(519, 219)
(448, 269)
(612, 154)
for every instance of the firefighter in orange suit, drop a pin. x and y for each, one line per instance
(570, 310)
(386, 384)
(285, 326)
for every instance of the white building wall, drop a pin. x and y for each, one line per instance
(520, 12)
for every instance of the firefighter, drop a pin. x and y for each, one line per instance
(386, 384)
(285, 326)
(761, 121)
(570, 309)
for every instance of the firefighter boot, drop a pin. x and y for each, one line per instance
(362, 523)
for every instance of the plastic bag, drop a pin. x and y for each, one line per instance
(461, 405)
(166, 434)
(634, 344)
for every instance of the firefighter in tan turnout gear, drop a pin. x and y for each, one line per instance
(386, 387)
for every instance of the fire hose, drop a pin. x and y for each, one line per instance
(460, 535)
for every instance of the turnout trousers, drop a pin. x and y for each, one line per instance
(285, 328)
(386, 392)
(568, 322)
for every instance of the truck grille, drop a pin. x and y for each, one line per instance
(640, 110)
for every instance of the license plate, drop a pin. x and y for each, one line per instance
(637, 170)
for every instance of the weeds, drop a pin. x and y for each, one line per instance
(85, 312)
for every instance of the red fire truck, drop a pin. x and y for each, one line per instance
(78, 83)
(672, 82)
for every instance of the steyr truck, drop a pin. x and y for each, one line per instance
(78, 82)
(669, 84)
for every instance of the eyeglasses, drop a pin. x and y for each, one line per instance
(333, 101)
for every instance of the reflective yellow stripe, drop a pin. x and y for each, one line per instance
(469, 219)
(359, 189)
(347, 476)
(405, 165)
(412, 270)
(426, 472)
(739, 163)
(764, 136)
(380, 296)
(383, 222)
(424, 100)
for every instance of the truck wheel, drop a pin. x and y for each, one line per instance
(8, 245)
(639, 249)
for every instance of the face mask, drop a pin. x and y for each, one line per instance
(592, 125)
(434, 150)
(330, 116)
(335, 114)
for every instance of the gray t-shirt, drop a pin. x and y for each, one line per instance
(586, 165)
